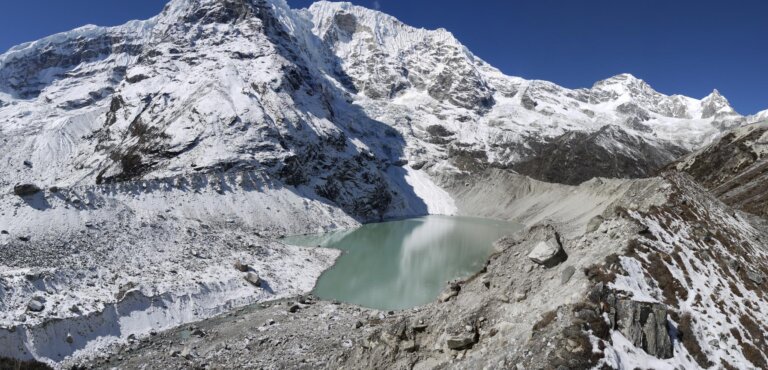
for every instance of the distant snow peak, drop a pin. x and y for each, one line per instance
(715, 104)
(626, 84)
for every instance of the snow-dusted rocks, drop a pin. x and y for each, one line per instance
(36, 304)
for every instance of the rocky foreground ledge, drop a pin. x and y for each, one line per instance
(676, 284)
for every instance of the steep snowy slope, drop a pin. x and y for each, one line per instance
(428, 83)
(210, 85)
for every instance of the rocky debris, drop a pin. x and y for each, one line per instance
(187, 353)
(462, 335)
(755, 276)
(409, 346)
(450, 291)
(37, 304)
(461, 341)
(594, 223)
(520, 296)
(26, 190)
(242, 267)
(253, 278)
(577, 156)
(566, 275)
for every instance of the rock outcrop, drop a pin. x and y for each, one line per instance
(26, 190)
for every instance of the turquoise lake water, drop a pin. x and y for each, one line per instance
(405, 263)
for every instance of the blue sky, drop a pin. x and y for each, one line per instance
(685, 47)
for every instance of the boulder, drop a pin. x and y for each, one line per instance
(755, 276)
(547, 252)
(253, 278)
(409, 346)
(36, 305)
(242, 267)
(461, 341)
(594, 223)
(644, 324)
(565, 276)
(450, 291)
(25, 190)
(542, 241)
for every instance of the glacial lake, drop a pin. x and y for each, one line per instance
(405, 263)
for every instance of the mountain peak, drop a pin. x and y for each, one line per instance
(714, 104)
(715, 94)
(625, 84)
(212, 11)
(621, 79)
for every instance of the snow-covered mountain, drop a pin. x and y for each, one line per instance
(140, 162)
(300, 94)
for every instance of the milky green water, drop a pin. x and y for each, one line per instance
(405, 263)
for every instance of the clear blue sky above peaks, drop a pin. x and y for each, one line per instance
(679, 47)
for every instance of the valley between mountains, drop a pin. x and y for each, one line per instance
(150, 172)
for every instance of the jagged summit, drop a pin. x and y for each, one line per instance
(621, 78)
(715, 104)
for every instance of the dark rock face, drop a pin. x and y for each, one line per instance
(633, 109)
(224, 11)
(9, 363)
(63, 56)
(528, 102)
(576, 157)
(25, 190)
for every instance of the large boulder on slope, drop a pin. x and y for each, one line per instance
(644, 324)
(253, 278)
(25, 190)
(545, 246)
(37, 304)
(544, 251)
